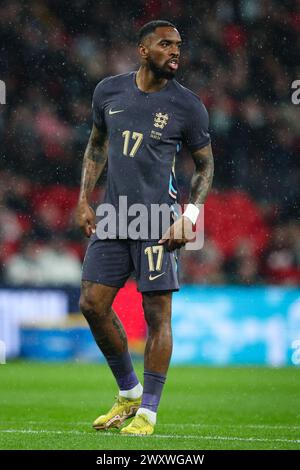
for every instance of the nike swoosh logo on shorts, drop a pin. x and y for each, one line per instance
(152, 278)
(115, 112)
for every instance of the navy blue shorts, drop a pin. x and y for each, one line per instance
(110, 262)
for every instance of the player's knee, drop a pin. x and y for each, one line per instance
(91, 307)
(86, 306)
(157, 313)
(158, 323)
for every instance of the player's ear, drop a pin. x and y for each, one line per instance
(143, 50)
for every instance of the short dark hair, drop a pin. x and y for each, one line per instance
(150, 27)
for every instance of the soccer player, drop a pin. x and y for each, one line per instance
(140, 121)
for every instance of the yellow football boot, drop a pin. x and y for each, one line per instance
(123, 409)
(139, 426)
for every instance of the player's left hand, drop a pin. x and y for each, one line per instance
(180, 233)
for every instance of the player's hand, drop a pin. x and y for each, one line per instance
(180, 233)
(86, 219)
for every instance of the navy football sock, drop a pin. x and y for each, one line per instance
(122, 368)
(153, 385)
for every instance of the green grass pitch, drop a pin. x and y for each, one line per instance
(52, 406)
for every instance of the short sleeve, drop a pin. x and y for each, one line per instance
(98, 107)
(196, 134)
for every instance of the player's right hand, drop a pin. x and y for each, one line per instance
(86, 219)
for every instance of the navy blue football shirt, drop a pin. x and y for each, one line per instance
(145, 131)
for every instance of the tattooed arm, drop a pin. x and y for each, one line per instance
(182, 230)
(94, 161)
(203, 175)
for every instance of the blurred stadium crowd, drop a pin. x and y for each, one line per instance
(240, 56)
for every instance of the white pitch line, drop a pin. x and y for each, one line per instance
(180, 425)
(252, 426)
(157, 436)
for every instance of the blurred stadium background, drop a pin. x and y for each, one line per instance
(240, 301)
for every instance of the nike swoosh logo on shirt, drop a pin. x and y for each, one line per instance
(115, 112)
(151, 278)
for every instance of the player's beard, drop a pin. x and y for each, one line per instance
(160, 72)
